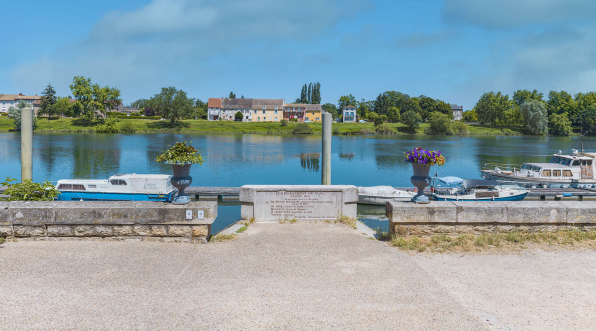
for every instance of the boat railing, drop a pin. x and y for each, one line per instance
(502, 166)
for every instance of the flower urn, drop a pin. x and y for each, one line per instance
(420, 180)
(181, 181)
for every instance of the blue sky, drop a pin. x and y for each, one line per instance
(453, 50)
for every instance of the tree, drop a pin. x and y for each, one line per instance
(491, 107)
(232, 95)
(587, 120)
(148, 111)
(561, 102)
(200, 109)
(309, 93)
(582, 101)
(364, 107)
(535, 116)
(140, 103)
(522, 96)
(393, 115)
(559, 124)
(444, 108)
(330, 108)
(242, 97)
(238, 116)
(171, 103)
(315, 97)
(346, 100)
(382, 103)
(91, 98)
(427, 106)
(63, 106)
(411, 119)
(303, 98)
(48, 100)
(380, 120)
(439, 123)
(512, 116)
(470, 116)
(16, 115)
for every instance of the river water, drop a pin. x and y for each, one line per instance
(236, 159)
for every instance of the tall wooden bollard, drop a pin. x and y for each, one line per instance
(26, 144)
(326, 167)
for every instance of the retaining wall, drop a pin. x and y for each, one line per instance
(155, 221)
(480, 217)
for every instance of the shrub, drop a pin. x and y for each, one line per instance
(380, 120)
(148, 111)
(559, 124)
(238, 116)
(284, 122)
(439, 123)
(127, 127)
(335, 130)
(302, 128)
(3, 114)
(115, 113)
(16, 116)
(384, 128)
(393, 115)
(535, 116)
(29, 191)
(460, 128)
(470, 116)
(110, 125)
(412, 119)
(293, 120)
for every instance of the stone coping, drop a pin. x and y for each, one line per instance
(104, 212)
(522, 212)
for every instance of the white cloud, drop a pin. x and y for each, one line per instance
(517, 13)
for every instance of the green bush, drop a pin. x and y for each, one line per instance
(3, 114)
(127, 127)
(393, 115)
(412, 119)
(115, 113)
(378, 120)
(238, 116)
(29, 191)
(460, 128)
(384, 128)
(110, 125)
(293, 119)
(16, 116)
(559, 124)
(302, 128)
(181, 153)
(439, 123)
(284, 122)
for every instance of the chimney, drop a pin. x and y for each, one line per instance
(20, 94)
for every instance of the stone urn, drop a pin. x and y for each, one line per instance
(420, 180)
(181, 181)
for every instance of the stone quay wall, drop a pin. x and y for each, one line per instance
(275, 203)
(151, 221)
(440, 217)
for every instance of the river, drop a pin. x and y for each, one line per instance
(236, 159)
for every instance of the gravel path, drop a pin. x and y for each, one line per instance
(275, 276)
(532, 290)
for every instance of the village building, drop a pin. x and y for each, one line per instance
(349, 114)
(8, 101)
(458, 112)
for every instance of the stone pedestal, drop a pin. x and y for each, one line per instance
(181, 181)
(421, 180)
(276, 203)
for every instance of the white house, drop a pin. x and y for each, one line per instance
(8, 101)
(458, 112)
(349, 114)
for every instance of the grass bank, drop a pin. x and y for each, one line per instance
(203, 126)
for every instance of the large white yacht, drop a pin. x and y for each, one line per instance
(562, 171)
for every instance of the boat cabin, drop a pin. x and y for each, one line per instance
(561, 167)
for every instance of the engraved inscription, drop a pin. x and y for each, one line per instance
(286, 205)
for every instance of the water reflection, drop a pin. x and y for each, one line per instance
(346, 156)
(310, 161)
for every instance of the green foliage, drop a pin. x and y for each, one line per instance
(470, 116)
(562, 103)
(127, 127)
(91, 97)
(332, 109)
(16, 115)
(378, 120)
(382, 103)
(460, 128)
(445, 108)
(491, 107)
(587, 120)
(110, 125)
(63, 107)
(48, 100)
(393, 115)
(310, 94)
(181, 153)
(293, 119)
(559, 124)
(384, 128)
(439, 123)
(346, 100)
(284, 122)
(238, 116)
(29, 191)
(535, 116)
(411, 119)
(522, 96)
(512, 116)
(364, 107)
(172, 104)
(232, 95)
(302, 128)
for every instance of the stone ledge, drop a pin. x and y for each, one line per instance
(480, 217)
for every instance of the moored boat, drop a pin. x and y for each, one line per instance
(120, 187)
(477, 190)
(379, 195)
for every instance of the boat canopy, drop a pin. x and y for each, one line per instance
(155, 184)
(450, 180)
(470, 183)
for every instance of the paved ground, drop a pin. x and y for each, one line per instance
(287, 276)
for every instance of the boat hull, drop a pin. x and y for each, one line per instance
(113, 196)
(518, 197)
(380, 200)
(539, 182)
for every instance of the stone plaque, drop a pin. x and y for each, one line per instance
(285, 205)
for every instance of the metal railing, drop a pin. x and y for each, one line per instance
(502, 166)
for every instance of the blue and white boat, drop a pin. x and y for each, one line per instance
(476, 190)
(120, 187)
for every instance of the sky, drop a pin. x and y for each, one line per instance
(453, 50)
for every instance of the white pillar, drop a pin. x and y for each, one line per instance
(326, 167)
(26, 144)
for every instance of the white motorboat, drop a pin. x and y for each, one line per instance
(476, 190)
(379, 195)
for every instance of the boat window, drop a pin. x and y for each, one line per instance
(78, 187)
(117, 182)
(535, 168)
(65, 187)
(546, 173)
(567, 173)
(92, 186)
(576, 163)
(523, 167)
(556, 173)
(566, 161)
